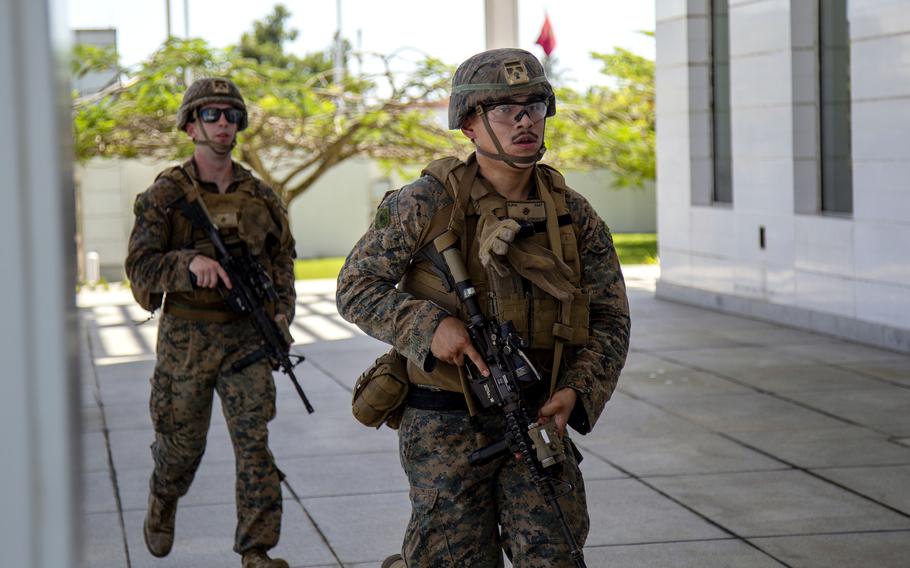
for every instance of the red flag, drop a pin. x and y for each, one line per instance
(546, 39)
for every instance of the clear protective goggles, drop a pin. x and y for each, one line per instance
(512, 112)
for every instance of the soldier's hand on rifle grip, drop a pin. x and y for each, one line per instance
(284, 326)
(451, 343)
(207, 272)
(559, 408)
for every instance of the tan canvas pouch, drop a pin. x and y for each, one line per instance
(150, 301)
(380, 392)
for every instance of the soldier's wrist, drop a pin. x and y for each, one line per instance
(429, 361)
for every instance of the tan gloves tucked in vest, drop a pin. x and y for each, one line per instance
(532, 261)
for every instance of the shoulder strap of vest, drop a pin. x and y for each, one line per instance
(443, 171)
(438, 225)
(175, 175)
(171, 175)
(557, 181)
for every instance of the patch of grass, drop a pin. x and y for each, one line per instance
(636, 248)
(632, 248)
(312, 268)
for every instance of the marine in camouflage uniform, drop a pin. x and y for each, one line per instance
(464, 515)
(199, 338)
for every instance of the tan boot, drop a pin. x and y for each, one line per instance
(257, 558)
(394, 561)
(159, 525)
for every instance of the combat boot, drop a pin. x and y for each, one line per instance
(159, 525)
(257, 558)
(394, 561)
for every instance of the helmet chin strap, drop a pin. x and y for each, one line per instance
(517, 162)
(217, 147)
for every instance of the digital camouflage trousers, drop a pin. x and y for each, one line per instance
(463, 515)
(194, 361)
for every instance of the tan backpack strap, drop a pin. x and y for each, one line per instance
(563, 327)
(438, 225)
(552, 216)
(451, 217)
(462, 196)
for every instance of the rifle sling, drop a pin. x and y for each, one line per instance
(246, 361)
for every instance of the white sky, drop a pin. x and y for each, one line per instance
(451, 30)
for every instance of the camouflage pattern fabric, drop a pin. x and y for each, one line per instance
(207, 91)
(195, 358)
(453, 522)
(456, 508)
(194, 361)
(367, 295)
(157, 257)
(483, 79)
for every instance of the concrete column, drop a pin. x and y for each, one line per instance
(39, 402)
(501, 23)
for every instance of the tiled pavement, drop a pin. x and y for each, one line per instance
(730, 443)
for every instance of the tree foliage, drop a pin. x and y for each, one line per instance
(265, 43)
(609, 126)
(301, 123)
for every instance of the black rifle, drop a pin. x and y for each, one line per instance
(502, 350)
(251, 289)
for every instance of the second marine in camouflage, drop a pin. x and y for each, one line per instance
(562, 287)
(199, 338)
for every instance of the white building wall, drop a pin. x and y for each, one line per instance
(325, 221)
(329, 218)
(846, 275)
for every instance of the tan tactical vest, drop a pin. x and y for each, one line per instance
(540, 319)
(243, 219)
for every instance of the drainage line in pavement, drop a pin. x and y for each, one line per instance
(321, 534)
(794, 466)
(695, 512)
(843, 367)
(772, 394)
(831, 533)
(107, 446)
(816, 475)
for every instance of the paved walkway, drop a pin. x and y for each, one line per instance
(730, 443)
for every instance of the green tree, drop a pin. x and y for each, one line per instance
(610, 126)
(266, 42)
(301, 123)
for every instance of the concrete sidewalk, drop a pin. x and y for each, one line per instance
(730, 443)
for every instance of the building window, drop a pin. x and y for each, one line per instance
(836, 167)
(720, 101)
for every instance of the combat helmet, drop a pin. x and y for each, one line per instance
(496, 75)
(208, 91)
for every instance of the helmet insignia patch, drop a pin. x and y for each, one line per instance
(516, 72)
(220, 87)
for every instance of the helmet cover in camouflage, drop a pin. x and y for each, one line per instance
(211, 90)
(497, 75)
